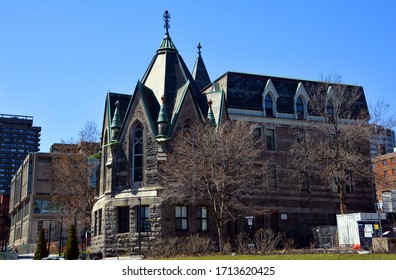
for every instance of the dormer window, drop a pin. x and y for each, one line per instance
(300, 108)
(269, 106)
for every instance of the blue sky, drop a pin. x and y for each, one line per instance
(58, 59)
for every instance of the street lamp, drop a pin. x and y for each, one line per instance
(139, 225)
(49, 237)
(60, 237)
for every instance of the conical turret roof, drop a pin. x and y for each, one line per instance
(167, 75)
(199, 73)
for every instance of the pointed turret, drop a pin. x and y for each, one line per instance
(116, 122)
(162, 121)
(199, 73)
(168, 76)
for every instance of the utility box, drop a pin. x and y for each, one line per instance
(349, 233)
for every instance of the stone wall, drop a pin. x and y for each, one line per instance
(111, 243)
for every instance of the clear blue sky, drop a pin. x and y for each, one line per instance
(58, 59)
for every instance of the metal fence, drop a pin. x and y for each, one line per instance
(325, 236)
(8, 256)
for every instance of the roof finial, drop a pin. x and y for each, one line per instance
(166, 17)
(211, 118)
(116, 121)
(199, 48)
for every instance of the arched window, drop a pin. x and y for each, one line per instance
(300, 108)
(137, 153)
(269, 106)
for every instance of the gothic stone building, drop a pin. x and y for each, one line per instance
(129, 214)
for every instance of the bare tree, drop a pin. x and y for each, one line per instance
(336, 146)
(214, 167)
(74, 175)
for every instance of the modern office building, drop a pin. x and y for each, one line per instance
(383, 142)
(18, 138)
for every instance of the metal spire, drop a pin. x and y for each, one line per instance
(166, 17)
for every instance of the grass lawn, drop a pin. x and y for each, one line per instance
(316, 256)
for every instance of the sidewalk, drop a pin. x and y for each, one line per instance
(56, 256)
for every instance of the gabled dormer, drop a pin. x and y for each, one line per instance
(270, 97)
(301, 100)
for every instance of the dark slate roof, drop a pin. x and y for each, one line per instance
(199, 73)
(244, 91)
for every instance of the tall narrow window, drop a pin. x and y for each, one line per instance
(100, 222)
(137, 154)
(145, 218)
(257, 137)
(300, 108)
(181, 216)
(96, 224)
(304, 181)
(202, 219)
(269, 106)
(348, 182)
(272, 176)
(123, 219)
(270, 139)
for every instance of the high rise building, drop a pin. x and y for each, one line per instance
(18, 138)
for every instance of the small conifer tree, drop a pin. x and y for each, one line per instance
(41, 249)
(72, 251)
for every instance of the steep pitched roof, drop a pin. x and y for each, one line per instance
(217, 103)
(168, 75)
(110, 107)
(199, 73)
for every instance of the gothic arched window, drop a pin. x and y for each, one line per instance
(269, 106)
(137, 153)
(300, 108)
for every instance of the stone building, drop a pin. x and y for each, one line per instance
(31, 207)
(129, 214)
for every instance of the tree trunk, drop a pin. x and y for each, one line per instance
(343, 207)
(220, 237)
